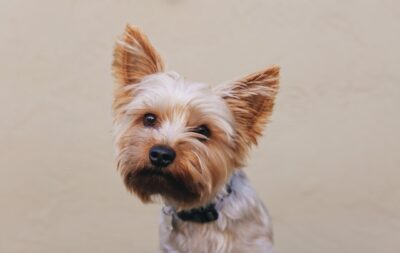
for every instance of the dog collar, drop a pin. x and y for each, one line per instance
(204, 214)
(199, 215)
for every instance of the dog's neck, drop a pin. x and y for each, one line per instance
(208, 212)
(243, 225)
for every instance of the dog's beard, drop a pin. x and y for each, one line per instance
(150, 182)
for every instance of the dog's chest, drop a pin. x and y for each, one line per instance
(243, 226)
(238, 237)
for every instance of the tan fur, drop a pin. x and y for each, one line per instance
(235, 114)
(201, 181)
(134, 58)
(251, 100)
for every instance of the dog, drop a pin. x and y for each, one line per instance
(185, 143)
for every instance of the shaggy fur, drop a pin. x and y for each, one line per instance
(235, 114)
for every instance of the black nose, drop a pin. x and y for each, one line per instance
(161, 155)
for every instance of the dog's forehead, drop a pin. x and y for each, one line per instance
(167, 90)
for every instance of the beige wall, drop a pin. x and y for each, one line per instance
(328, 167)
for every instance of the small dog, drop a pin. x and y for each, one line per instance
(185, 142)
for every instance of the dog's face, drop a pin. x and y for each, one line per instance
(180, 139)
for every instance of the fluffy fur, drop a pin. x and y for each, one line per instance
(235, 113)
(243, 225)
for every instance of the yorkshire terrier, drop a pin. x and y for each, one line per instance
(186, 143)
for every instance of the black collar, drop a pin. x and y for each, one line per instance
(204, 214)
(199, 215)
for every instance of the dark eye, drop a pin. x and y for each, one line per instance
(149, 120)
(203, 130)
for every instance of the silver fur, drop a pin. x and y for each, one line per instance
(243, 225)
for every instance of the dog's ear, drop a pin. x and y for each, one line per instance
(251, 100)
(134, 58)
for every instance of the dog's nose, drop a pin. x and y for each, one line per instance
(161, 155)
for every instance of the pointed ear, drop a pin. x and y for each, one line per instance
(251, 100)
(135, 57)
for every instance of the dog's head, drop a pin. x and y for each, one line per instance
(180, 139)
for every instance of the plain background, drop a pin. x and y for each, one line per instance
(328, 166)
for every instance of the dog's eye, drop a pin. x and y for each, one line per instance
(149, 119)
(203, 130)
